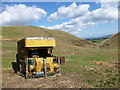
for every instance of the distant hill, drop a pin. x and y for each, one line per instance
(111, 42)
(99, 38)
(64, 39)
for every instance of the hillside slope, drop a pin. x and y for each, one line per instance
(63, 39)
(83, 68)
(110, 43)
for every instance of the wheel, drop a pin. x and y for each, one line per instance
(15, 67)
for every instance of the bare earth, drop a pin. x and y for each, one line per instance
(61, 80)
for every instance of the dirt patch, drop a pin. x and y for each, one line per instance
(79, 79)
(62, 80)
(7, 39)
(71, 53)
(111, 63)
(98, 62)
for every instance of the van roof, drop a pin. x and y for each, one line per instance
(41, 38)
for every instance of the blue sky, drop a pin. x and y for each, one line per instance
(83, 19)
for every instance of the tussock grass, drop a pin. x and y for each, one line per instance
(80, 57)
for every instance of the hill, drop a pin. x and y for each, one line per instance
(110, 43)
(63, 39)
(99, 38)
(84, 67)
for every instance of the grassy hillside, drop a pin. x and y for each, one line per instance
(110, 43)
(62, 38)
(97, 41)
(65, 41)
(85, 67)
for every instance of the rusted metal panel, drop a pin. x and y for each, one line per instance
(57, 58)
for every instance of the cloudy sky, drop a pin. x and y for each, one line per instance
(83, 19)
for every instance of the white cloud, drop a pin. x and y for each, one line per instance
(21, 14)
(106, 14)
(72, 11)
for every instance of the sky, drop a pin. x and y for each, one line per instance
(82, 19)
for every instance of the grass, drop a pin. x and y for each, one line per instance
(79, 59)
(81, 65)
(94, 74)
(84, 60)
(97, 41)
(8, 53)
(62, 38)
(111, 42)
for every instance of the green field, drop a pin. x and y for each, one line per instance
(80, 63)
(98, 75)
(84, 63)
(97, 41)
